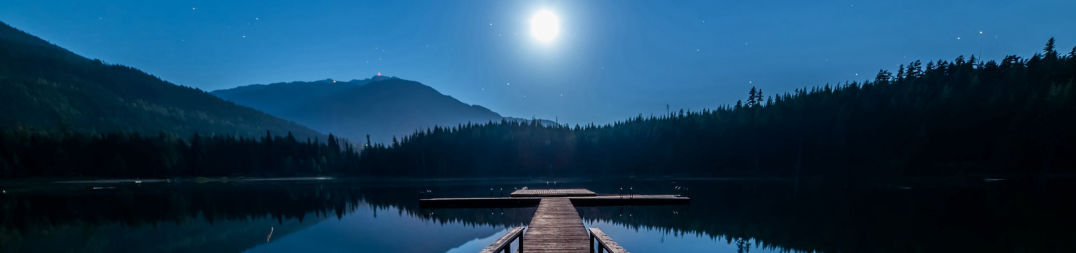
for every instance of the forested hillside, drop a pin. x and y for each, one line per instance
(47, 87)
(944, 118)
(965, 117)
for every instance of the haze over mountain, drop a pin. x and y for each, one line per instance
(382, 107)
(48, 87)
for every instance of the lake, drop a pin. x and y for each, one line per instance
(351, 215)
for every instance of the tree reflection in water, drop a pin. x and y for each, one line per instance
(768, 215)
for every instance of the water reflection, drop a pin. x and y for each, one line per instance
(651, 239)
(725, 216)
(913, 217)
(232, 217)
(378, 230)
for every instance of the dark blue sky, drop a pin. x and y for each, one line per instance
(612, 60)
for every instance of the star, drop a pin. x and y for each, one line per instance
(507, 84)
(957, 37)
(193, 8)
(244, 36)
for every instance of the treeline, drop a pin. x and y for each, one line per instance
(34, 153)
(945, 118)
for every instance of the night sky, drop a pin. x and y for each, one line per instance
(611, 60)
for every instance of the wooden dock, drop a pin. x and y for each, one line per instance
(556, 225)
(509, 202)
(552, 192)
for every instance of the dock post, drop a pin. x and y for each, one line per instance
(591, 242)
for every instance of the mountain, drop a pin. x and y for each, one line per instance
(48, 87)
(382, 107)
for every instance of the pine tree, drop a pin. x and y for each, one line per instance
(758, 98)
(1050, 53)
(751, 96)
(883, 77)
(900, 73)
(914, 69)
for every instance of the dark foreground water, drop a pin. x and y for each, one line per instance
(383, 216)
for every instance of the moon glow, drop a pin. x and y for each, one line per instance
(545, 26)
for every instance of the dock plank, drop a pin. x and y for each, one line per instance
(494, 202)
(556, 227)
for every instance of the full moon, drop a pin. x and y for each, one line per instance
(545, 26)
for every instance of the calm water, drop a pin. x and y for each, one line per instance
(363, 216)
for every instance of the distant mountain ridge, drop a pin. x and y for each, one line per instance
(383, 107)
(47, 87)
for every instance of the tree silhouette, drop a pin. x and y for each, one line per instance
(954, 118)
(1011, 118)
